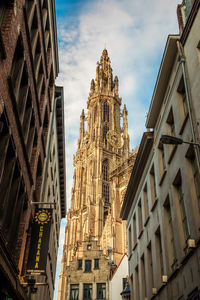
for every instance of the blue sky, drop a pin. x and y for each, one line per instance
(135, 33)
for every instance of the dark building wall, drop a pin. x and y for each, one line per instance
(28, 67)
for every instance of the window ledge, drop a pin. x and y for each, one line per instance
(163, 176)
(183, 124)
(87, 272)
(146, 221)
(154, 204)
(134, 246)
(140, 234)
(129, 258)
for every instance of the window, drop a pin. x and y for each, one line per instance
(74, 291)
(101, 291)
(150, 268)
(130, 240)
(132, 290)
(144, 291)
(161, 159)
(198, 50)
(79, 264)
(96, 263)
(134, 231)
(169, 232)
(105, 191)
(88, 264)
(183, 213)
(195, 174)
(146, 204)
(159, 255)
(153, 186)
(87, 291)
(105, 112)
(105, 170)
(180, 196)
(105, 183)
(182, 100)
(105, 130)
(136, 283)
(140, 217)
(170, 126)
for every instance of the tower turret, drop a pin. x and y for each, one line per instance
(116, 86)
(82, 128)
(125, 129)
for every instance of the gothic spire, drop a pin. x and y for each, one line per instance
(125, 128)
(104, 77)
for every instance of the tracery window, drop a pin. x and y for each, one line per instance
(95, 113)
(105, 183)
(105, 170)
(105, 112)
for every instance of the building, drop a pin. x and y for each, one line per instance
(28, 68)
(161, 205)
(95, 237)
(118, 280)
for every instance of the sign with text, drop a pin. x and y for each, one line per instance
(39, 245)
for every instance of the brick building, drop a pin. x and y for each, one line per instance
(28, 68)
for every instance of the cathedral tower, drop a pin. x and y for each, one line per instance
(101, 170)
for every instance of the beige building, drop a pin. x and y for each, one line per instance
(162, 202)
(95, 234)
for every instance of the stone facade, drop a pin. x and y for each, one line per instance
(162, 203)
(95, 275)
(102, 166)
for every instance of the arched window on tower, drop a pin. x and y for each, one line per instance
(105, 170)
(95, 114)
(105, 130)
(105, 112)
(105, 183)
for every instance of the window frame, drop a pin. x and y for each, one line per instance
(101, 291)
(96, 263)
(88, 266)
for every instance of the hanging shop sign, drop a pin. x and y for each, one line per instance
(39, 245)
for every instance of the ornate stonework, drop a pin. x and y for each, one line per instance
(102, 167)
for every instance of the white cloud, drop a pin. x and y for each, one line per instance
(135, 33)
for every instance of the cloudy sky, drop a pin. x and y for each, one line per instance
(135, 34)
